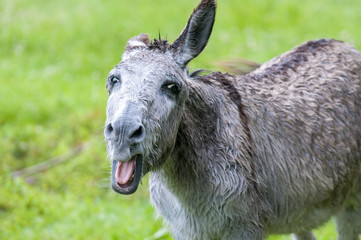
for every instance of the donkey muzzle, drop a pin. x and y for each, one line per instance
(124, 135)
(125, 132)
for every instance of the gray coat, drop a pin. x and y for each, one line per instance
(238, 157)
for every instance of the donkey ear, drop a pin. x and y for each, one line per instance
(137, 42)
(195, 35)
(140, 41)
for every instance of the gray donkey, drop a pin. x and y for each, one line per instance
(274, 151)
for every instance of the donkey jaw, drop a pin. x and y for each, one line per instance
(126, 175)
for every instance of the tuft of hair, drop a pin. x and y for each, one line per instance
(160, 44)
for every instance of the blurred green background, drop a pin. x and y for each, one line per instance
(54, 58)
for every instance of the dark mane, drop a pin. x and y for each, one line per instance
(298, 58)
(160, 44)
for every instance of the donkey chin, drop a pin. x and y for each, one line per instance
(126, 175)
(130, 165)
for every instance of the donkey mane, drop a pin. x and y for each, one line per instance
(160, 44)
(299, 57)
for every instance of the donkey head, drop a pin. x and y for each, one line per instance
(147, 92)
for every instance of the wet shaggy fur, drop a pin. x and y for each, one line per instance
(275, 151)
(242, 156)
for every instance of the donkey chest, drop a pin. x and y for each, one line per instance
(187, 212)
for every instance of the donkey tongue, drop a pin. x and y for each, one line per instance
(124, 171)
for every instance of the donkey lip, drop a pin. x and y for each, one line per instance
(126, 176)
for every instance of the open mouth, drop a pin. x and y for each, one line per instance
(126, 175)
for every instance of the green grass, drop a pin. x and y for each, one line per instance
(54, 58)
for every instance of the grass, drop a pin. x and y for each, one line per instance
(54, 58)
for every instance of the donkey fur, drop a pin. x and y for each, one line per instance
(239, 157)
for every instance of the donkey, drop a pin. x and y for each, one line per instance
(275, 151)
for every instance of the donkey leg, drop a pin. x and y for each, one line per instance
(244, 232)
(304, 236)
(348, 220)
(244, 236)
(348, 223)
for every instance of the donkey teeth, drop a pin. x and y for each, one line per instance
(131, 178)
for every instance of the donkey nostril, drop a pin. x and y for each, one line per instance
(138, 134)
(110, 128)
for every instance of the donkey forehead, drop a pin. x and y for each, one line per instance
(148, 65)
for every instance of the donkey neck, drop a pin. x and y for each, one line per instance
(210, 138)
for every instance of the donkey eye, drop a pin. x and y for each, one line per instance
(114, 80)
(173, 88)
